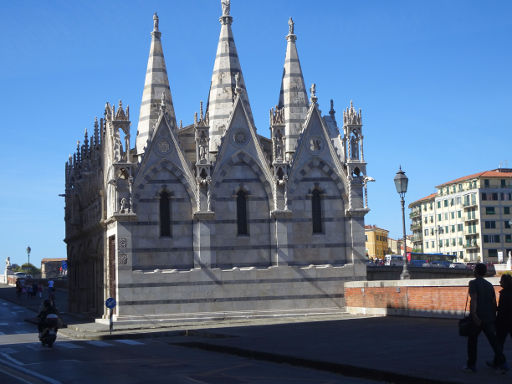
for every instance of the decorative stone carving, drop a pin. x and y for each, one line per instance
(123, 258)
(163, 146)
(122, 242)
(315, 144)
(240, 137)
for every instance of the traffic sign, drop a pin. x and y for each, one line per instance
(64, 264)
(110, 302)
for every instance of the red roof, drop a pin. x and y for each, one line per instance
(496, 173)
(429, 197)
(375, 227)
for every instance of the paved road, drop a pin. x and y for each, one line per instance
(151, 360)
(401, 350)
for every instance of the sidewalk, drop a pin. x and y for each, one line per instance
(390, 349)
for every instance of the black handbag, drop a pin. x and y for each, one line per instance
(466, 323)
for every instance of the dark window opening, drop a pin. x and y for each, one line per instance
(165, 215)
(241, 212)
(280, 174)
(316, 210)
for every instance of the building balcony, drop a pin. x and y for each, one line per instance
(470, 204)
(416, 227)
(417, 238)
(471, 245)
(466, 219)
(415, 213)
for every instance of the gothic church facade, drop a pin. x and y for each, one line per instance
(212, 217)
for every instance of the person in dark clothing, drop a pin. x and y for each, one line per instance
(18, 288)
(483, 311)
(504, 316)
(48, 307)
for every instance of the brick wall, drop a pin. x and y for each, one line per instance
(432, 298)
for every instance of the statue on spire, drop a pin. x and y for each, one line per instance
(225, 7)
(291, 25)
(155, 22)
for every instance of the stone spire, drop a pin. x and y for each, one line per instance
(293, 97)
(224, 83)
(155, 84)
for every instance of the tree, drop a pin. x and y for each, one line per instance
(29, 268)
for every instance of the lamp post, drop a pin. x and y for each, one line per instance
(28, 254)
(401, 187)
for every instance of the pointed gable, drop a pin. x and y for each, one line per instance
(227, 67)
(155, 84)
(163, 148)
(315, 147)
(241, 139)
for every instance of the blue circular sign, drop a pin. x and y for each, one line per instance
(110, 303)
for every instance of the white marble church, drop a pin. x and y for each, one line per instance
(212, 218)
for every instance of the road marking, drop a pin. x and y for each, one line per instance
(69, 345)
(7, 365)
(11, 359)
(129, 342)
(98, 343)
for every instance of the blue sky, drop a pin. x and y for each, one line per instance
(433, 79)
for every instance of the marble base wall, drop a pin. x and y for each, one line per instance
(238, 289)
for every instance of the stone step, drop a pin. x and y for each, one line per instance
(163, 319)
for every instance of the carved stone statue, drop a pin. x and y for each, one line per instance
(7, 262)
(123, 205)
(279, 146)
(155, 22)
(226, 7)
(354, 147)
(313, 90)
(237, 82)
(290, 26)
(203, 147)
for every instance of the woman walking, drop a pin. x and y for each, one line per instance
(504, 315)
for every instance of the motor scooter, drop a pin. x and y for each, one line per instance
(49, 333)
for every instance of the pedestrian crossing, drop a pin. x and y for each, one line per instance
(63, 344)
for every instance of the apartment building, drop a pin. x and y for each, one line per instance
(376, 241)
(469, 217)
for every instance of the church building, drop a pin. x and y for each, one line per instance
(211, 217)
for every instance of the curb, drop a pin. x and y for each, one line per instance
(338, 368)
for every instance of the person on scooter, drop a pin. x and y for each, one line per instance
(48, 307)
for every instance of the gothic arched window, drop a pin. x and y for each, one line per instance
(241, 212)
(165, 214)
(316, 211)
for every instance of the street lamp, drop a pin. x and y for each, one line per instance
(28, 254)
(401, 187)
